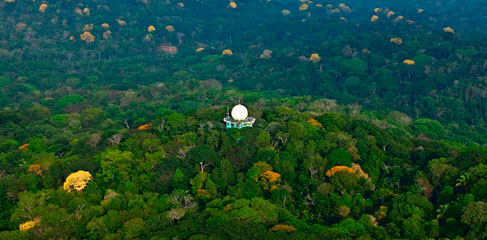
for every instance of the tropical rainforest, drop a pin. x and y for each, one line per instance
(371, 119)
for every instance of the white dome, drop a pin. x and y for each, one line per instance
(239, 112)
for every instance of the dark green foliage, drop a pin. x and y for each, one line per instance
(339, 157)
(185, 175)
(413, 134)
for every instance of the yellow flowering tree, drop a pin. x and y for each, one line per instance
(169, 28)
(315, 123)
(344, 7)
(397, 41)
(20, 26)
(86, 11)
(77, 181)
(29, 224)
(315, 58)
(121, 22)
(43, 7)
(227, 52)
(398, 18)
(374, 18)
(409, 62)
(107, 34)
(448, 30)
(266, 54)
(390, 14)
(360, 172)
(78, 11)
(88, 27)
(151, 28)
(87, 37)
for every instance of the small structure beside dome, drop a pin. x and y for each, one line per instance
(239, 118)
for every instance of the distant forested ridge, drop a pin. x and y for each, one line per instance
(103, 43)
(370, 119)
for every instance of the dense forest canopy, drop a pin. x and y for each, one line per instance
(370, 119)
(113, 45)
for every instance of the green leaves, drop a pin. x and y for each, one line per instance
(475, 215)
(339, 157)
(116, 165)
(134, 228)
(4, 81)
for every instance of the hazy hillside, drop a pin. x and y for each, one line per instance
(369, 119)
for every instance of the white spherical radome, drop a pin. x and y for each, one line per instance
(239, 112)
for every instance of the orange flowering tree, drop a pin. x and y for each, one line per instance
(144, 127)
(346, 181)
(271, 176)
(227, 52)
(24, 147)
(35, 169)
(203, 186)
(270, 180)
(381, 213)
(169, 28)
(336, 169)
